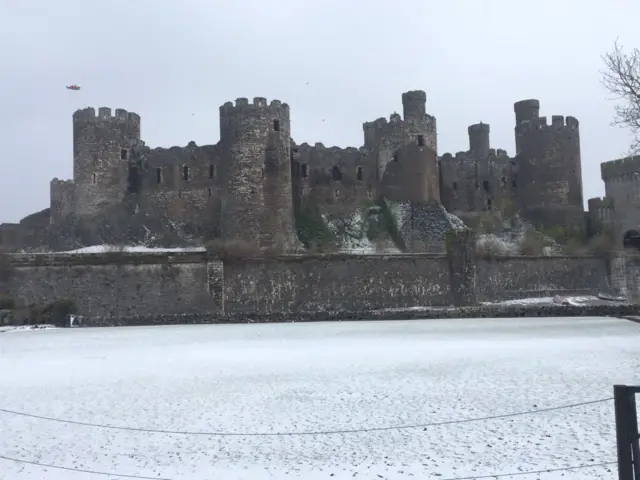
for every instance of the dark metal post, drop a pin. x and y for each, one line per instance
(623, 438)
(633, 432)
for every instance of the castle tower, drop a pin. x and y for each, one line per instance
(258, 206)
(101, 147)
(479, 139)
(549, 168)
(406, 151)
(414, 105)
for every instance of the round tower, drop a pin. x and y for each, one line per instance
(479, 139)
(549, 171)
(414, 105)
(101, 155)
(258, 204)
(525, 110)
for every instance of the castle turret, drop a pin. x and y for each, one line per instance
(549, 168)
(414, 105)
(101, 147)
(479, 139)
(258, 206)
(406, 151)
(526, 110)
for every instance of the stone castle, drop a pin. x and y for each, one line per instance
(249, 185)
(619, 211)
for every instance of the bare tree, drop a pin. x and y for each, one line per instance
(622, 79)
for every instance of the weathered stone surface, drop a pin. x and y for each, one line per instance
(132, 284)
(116, 284)
(520, 277)
(344, 283)
(461, 252)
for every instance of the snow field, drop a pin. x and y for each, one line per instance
(309, 377)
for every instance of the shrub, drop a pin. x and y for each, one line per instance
(601, 245)
(532, 245)
(491, 247)
(311, 228)
(6, 302)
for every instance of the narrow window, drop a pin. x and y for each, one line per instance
(336, 174)
(336, 193)
(395, 157)
(421, 140)
(369, 192)
(93, 179)
(489, 204)
(276, 125)
(123, 154)
(455, 186)
(179, 193)
(212, 171)
(359, 173)
(305, 170)
(504, 181)
(158, 176)
(262, 172)
(209, 191)
(485, 186)
(185, 173)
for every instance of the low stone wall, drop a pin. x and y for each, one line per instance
(146, 285)
(506, 278)
(114, 284)
(298, 284)
(485, 311)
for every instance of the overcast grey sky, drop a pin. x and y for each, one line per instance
(167, 60)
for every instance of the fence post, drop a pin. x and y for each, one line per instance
(623, 432)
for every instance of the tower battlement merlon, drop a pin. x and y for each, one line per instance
(105, 115)
(599, 202)
(526, 110)
(558, 122)
(620, 167)
(414, 105)
(242, 105)
(479, 139)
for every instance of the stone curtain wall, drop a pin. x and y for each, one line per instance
(128, 285)
(521, 277)
(340, 283)
(117, 284)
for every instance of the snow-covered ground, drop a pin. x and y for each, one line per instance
(136, 249)
(25, 328)
(317, 377)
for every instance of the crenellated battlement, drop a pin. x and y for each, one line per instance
(242, 105)
(499, 153)
(600, 203)
(394, 119)
(620, 167)
(57, 181)
(558, 122)
(105, 115)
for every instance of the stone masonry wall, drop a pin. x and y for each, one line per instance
(128, 285)
(522, 277)
(347, 283)
(118, 284)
